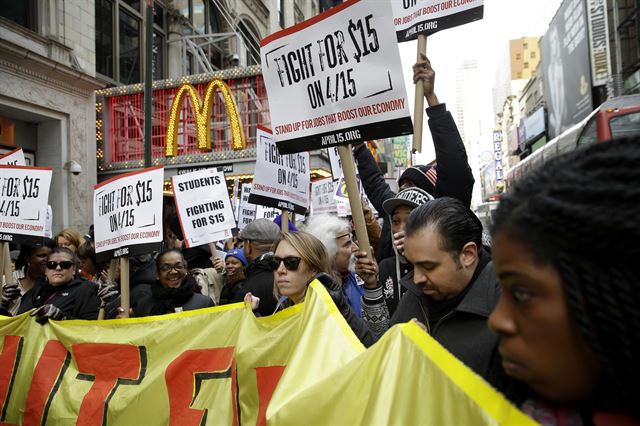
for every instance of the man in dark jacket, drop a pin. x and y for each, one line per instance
(454, 288)
(451, 177)
(258, 238)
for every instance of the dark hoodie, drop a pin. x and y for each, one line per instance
(259, 282)
(78, 299)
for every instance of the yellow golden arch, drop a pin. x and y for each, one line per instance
(202, 114)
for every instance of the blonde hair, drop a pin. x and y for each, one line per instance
(311, 251)
(71, 235)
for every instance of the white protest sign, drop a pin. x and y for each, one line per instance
(281, 181)
(336, 79)
(322, 196)
(13, 158)
(24, 192)
(246, 210)
(334, 161)
(204, 207)
(341, 194)
(263, 212)
(413, 17)
(344, 209)
(48, 227)
(127, 213)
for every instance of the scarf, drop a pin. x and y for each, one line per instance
(166, 299)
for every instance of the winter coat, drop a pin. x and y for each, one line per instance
(463, 331)
(78, 299)
(353, 292)
(259, 282)
(454, 174)
(149, 305)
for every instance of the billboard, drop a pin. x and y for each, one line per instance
(567, 71)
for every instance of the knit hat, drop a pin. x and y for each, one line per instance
(424, 177)
(412, 197)
(238, 254)
(262, 230)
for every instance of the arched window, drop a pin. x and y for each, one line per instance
(250, 41)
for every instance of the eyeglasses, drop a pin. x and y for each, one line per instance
(65, 264)
(179, 267)
(291, 263)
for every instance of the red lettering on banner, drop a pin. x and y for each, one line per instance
(9, 360)
(267, 378)
(108, 365)
(201, 364)
(48, 374)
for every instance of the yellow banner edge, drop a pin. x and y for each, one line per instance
(480, 392)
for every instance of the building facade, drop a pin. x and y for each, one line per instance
(47, 97)
(55, 54)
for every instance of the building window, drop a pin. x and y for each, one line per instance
(104, 37)
(199, 16)
(281, 13)
(23, 12)
(525, 46)
(129, 44)
(158, 56)
(519, 74)
(518, 56)
(533, 55)
(250, 41)
(525, 65)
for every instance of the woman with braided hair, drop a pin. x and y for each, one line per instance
(565, 246)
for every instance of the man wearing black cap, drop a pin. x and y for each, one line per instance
(451, 176)
(258, 238)
(382, 290)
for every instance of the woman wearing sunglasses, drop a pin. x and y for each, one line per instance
(298, 259)
(174, 289)
(62, 294)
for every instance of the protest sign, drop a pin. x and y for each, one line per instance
(13, 158)
(204, 207)
(343, 208)
(336, 79)
(414, 17)
(127, 213)
(280, 181)
(223, 365)
(322, 196)
(335, 163)
(246, 210)
(24, 192)
(48, 224)
(341, 194)
(263, 212)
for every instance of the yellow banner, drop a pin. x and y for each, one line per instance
(224, 366)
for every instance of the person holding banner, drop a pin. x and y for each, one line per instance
(258, 238)
(565, 247)
(300, 258)
(450, 177)
(31, 266)
(63, 294)
(174, 289)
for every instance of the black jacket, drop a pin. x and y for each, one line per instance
(388, 279)
(197, 301)
(463, 331)
(78, 299)
(259, 282)
(139, 288)
(454, 174)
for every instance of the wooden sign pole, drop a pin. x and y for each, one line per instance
(6, 263)
(284, 221)
(124, 286)
(418, 106)
(349, 171)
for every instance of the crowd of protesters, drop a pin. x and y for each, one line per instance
(548, 314)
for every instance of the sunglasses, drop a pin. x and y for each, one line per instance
(291, 263)
(65, 264)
